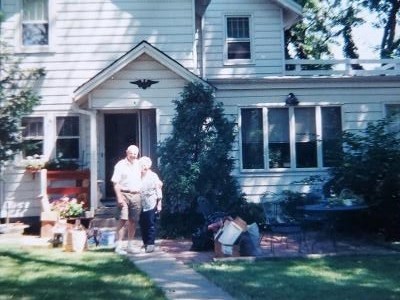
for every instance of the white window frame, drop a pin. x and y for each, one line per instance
(36, 137)
(68, 137)
(226, 40)
(20, 47)
(292, 139)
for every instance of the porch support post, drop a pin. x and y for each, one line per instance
(94, 201)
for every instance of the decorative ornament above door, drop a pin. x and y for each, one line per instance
(144, 83)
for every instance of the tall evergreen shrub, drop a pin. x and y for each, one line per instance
(195, 160)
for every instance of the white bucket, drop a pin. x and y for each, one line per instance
(230, 233)
(79, 239)
(107, 238)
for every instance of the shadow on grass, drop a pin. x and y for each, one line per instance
(42, 273)
(353, 277)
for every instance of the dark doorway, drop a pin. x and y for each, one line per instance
(121, 130)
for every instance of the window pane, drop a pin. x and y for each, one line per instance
(32, 147)
(252, 138)
(67, 148)
(306, 139)
(67, 145)
(331, 135)
(35, 22)
(238, 50)
(35, 34)
(67, 126)
(278, 138)
(35, 10)
(32, 127)
(238, 27)
(32, 134)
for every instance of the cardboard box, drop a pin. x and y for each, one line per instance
(226, 250)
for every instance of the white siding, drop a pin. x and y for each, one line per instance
(91, 34)
(361, 101)
(266, 38)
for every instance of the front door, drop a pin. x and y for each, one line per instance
(121, 130)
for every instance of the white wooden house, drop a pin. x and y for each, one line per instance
(93, 51)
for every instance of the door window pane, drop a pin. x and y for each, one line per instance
(305, 136)
(252, 138)
(278, 138)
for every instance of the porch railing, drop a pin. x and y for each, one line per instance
(342, 67)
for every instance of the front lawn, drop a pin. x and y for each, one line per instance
(351, 277)
(28, 272)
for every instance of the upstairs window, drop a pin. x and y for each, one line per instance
(238, 46)
(35, 23)
(290, 137)
(67, 143)
(33, 136)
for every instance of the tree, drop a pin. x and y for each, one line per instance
(17, 98)
(370, 166)
(309, 38)
(195, 160)
(327, 20)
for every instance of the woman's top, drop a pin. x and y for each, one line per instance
(151, 190)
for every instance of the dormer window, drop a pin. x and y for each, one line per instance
(238, 43)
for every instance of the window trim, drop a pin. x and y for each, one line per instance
(35, 138)
(20, 47)
(292, 141)
(225, 41)
(67, 137)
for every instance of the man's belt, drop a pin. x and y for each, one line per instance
(130, 192)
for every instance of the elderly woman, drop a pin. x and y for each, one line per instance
(151, 196)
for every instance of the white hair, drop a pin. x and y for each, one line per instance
(145, 161)
(132, 148)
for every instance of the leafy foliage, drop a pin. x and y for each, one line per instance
(370, 166)
(195, 160)
(17, 98)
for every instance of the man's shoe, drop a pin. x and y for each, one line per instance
(149, 248)
(120, 251)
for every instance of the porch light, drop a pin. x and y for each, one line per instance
(291, 100)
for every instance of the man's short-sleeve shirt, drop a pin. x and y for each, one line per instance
(127, 175)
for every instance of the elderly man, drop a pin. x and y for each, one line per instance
(127, 185)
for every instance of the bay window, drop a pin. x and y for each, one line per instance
(290, 137)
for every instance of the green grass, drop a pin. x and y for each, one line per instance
(361, 277)
(31, 273)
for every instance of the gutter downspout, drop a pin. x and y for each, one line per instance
(93, 156)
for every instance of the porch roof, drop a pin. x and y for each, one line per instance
(142, 48)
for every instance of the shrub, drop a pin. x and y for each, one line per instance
(370, 167)
(195, 160)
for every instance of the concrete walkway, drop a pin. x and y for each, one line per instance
(177, 280)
